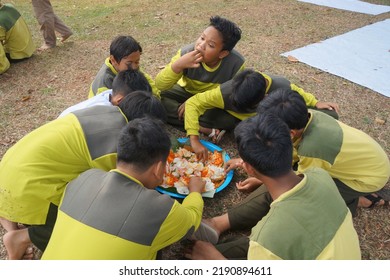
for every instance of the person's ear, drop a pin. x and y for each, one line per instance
(248, 169)
(293, 133)
(159, 169)
(115, 100)
(223, 54)
(113, 61)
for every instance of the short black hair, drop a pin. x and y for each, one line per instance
(248, 89)
(143, 142)
(288, 105)
(230, 32)
(139, 104)
(128, 81)
(264, 142)
(123, 46)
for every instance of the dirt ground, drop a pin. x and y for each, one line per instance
(35, 91)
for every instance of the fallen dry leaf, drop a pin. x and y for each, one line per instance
(292, 59)
(25, 98)
(317, 80)
(379, 121)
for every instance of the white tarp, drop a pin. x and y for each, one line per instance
(361, 56)
(352, 5)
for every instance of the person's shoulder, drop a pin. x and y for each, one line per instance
(234, 52)
(234, 58)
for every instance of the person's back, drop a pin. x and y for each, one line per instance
(54, 154)
(309, 222)
(120, 210)
(356, 162)
(350, 155)
(15, 35)
(34, 172)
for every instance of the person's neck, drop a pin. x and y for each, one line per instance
(278, 186)
(213, 64)
(128, 169)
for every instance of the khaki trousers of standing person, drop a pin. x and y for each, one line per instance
(49, 22)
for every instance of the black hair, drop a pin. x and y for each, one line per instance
(248, 89)
(123, 46)
(264, 142)
(143, 142)
(288, 105)
(128, 81)
(230, 32)
(139, 104)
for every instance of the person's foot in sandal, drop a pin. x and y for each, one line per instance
(372, 200)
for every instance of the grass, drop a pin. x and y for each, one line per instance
(59, 78)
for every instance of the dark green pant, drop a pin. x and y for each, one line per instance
(235, 248)
(213, 118)
(40, 234)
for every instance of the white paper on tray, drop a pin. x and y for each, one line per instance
(209, 194)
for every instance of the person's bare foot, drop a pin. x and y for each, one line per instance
(17, 243)
(29, 254)
(45, 47)
(65, 37)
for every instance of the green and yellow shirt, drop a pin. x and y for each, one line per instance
(309, 222)
(111, 216)
(35, 171)
(348, 154)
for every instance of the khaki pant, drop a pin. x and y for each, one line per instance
(49, 22)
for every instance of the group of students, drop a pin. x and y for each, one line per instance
(82, 185)
(16, 43)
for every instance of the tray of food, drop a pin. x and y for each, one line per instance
(182, 164)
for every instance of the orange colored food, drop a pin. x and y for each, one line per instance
(183, 164)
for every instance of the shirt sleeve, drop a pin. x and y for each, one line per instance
(197, 105)
(166, 78)
(180, 220)
(305, 163)
(309, 98)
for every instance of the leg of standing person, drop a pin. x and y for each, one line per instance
(62, 28)
(49, 24)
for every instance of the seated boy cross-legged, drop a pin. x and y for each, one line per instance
(198, 67)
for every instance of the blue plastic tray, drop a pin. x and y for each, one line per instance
(212, 147)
